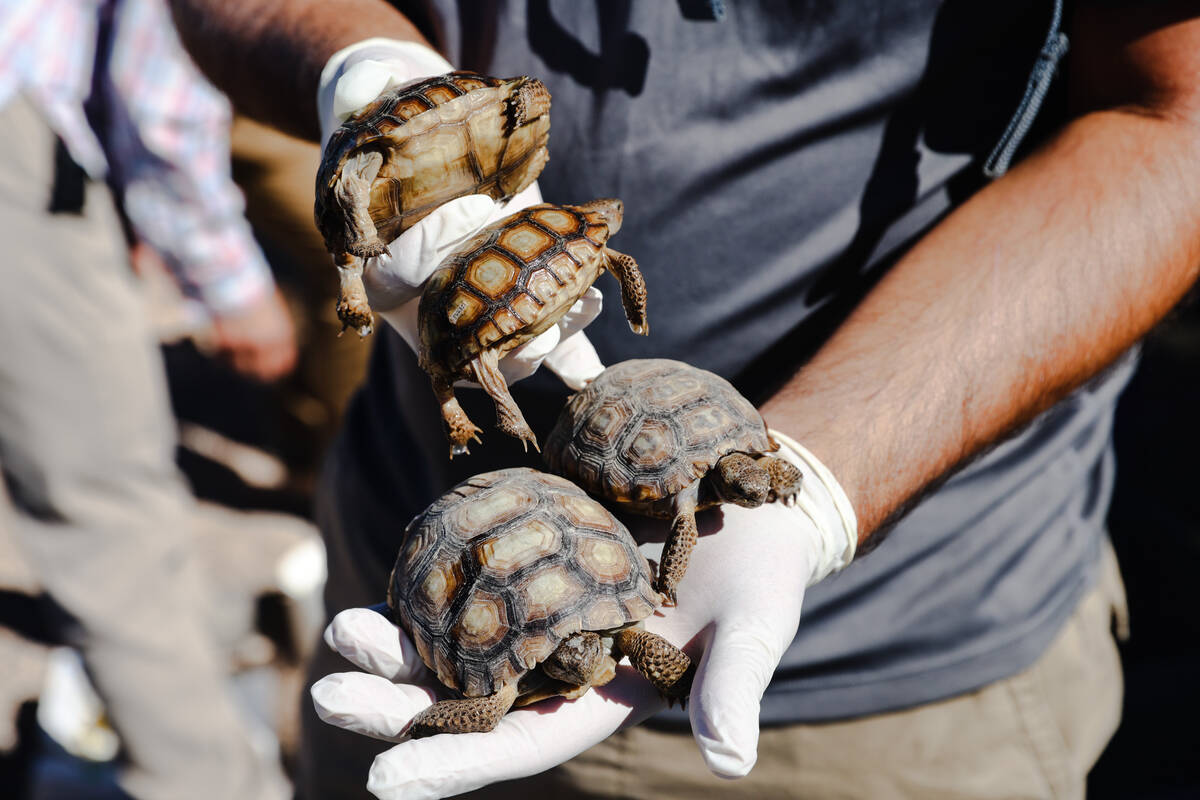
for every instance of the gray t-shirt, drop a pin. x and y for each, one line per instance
(772, 164)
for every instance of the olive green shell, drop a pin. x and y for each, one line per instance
(442, 138)
(496, 572)
(509, 283)
(645, 429)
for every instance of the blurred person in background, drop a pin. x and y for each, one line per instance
(97, 99)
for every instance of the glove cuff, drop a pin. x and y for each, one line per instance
(822, 499)
(395, 62)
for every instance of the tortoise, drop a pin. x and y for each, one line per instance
(515, 586)
(665, 439)
(414, 148)
(512, 281)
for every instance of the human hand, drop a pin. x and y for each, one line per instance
(353, 78)
(738, 610)
(258, 340)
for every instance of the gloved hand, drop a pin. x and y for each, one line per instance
(739, 607)
(351, 79)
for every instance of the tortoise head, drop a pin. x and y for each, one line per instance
(738, 479)
(610, 209)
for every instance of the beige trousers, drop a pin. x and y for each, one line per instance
(97, 505)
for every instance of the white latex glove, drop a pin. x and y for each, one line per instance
(739, 606)
(352, 78)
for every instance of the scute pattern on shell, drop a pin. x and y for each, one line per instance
(647, 428)
(496, 572)
(511, 275)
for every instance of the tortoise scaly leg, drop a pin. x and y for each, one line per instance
(352, 196)
(664, 665)
(678, 549)
(352, 307)
(785, 479)
(531, 100)
(509, 419)
(633, 290)
(459, 428)
(468, 715)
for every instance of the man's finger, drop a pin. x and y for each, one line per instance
(727, 692)
(369, 641)
(527, 741)
(369, 704)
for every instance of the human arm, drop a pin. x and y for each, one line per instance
(283, 46)
(167, 143)
(1027, 290)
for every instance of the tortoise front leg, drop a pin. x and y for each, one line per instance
(352, 196)
(352, 307)
(459, 428)
(469, 715)
(509, 419)
(633, 290)
(664, 665)
(785, 478)
(679, 545)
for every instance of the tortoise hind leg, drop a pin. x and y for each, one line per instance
(468, 715)
(352, 307)
(352, 196)
(531, 100)
(678, 549)
(459, 428)
(509, 419)
(664, 665)
(633, 290)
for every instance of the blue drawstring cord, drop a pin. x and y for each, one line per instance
(1043, 72)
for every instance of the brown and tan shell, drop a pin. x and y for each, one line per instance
(445, 137)
(497, 571)
(509, 283)
(645, 429)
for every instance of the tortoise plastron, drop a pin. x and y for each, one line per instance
(415, 148)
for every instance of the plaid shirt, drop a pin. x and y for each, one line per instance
(164, 140)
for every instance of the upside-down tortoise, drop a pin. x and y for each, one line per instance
(665, 439)
(512, 281)
(415, 148)
(515, 586)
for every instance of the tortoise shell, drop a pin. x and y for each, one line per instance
(510, 282)
(441, 138)
(645, 429)
(500, 569)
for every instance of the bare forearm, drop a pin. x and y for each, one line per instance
(267, 55)
(1026, 291)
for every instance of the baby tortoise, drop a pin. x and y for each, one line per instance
(511, 282)
(515, 586)
(415, 148)
(665, 439)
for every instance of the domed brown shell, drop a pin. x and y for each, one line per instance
(510, 282)
(497, 571)
(645, 429)
(441, 138)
